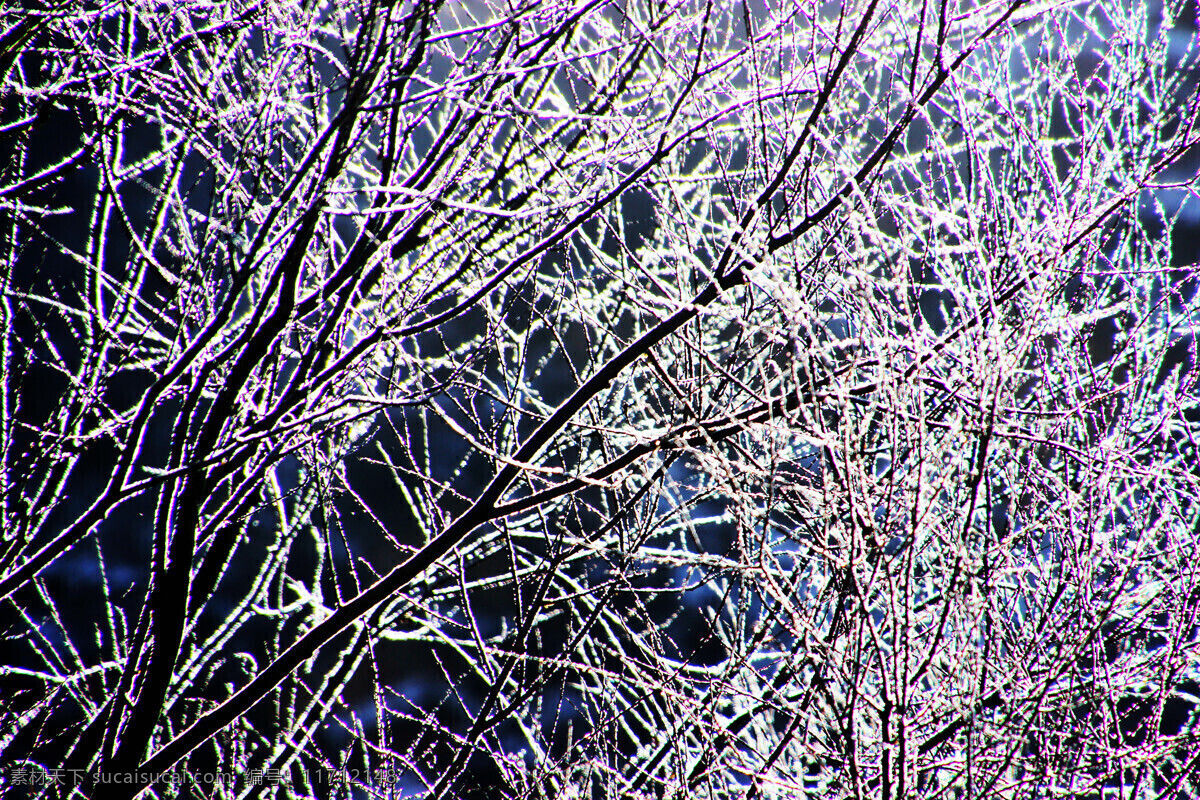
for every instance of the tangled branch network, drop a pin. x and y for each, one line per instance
(599, 399)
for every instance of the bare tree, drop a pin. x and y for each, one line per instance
(594, 398)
